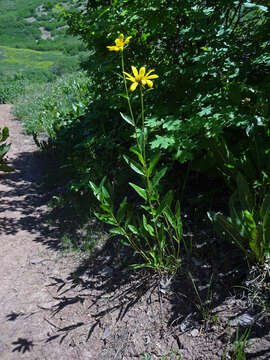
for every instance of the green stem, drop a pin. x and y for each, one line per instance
(126, 89)
(128, 98)
(142, 107)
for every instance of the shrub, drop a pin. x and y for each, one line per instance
(214, 80)
(4, 148)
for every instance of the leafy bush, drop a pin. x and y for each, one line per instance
(249, 223)
(9, 91)
(213, 80)
(247, 170)
(4, 148)
(47, 107)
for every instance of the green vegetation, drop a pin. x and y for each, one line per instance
(21, 24)
(155, 229)
(45, 108)
(4, 148)
(207, 114)
(134, 151)
(209, 107)
(34, 46)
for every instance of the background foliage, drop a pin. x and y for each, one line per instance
(34, 46)
(208, 109)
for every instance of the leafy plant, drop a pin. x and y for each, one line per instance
(4, 148)
(248, 225)
(154, 228)
(214, 81)
(240, 344)
(204, 307)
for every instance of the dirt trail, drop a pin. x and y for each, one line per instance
(26, 264)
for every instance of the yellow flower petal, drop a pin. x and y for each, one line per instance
(127, 40)
(129, 77)
(133, 86)
(113, 48)
(135, 71)
(121, 37)
(149, 72)
(151, 76)
(143, 82)
(149, 83)
(142, 72)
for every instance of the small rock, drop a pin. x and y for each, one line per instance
(107, 333)
(242, 320)
(107, 271)
(35, 261)
(194, 332)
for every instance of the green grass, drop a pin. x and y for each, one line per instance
(34, 64)
(42, 105)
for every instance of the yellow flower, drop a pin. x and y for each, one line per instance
(119, 43)
(140, 78)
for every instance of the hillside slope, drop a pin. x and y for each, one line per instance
(36, 25)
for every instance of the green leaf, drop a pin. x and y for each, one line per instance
(122, 210)
(140, 156)
(125, 97)
(142, 192)
(166, 202)
(170, 217)
(245, 196)
(266, 231)
(158, 176)
(4, 133)
(265, 208)
(95, 190)
(178, 219)
(117, 231)
(107, 218)
(127, 119)
(149, 228)
(250, 225)
(134, 165)
(133, 229)
(153, 163)
(229, 228)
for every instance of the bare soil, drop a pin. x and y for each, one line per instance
(56, 305)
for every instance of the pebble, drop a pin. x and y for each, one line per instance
(194, 332)
(242, 320)
(107, 271)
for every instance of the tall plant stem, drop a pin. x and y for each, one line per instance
(126, 89)
(143, 127)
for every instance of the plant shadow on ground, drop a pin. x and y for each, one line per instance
(112, 293)
(24, 198)
(209, 279)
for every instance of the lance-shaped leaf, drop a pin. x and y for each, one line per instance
(228, 227)
(142, 192)
(149, 228)
(122, 210)
(95, 190)
(178, 220)
(265, 208)
(127, 119)
(117, 231)
(153, 163)
(166, 202)
(158, 176)
(134, 165)
(137, 152)
(245, 196)
(133, 229)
